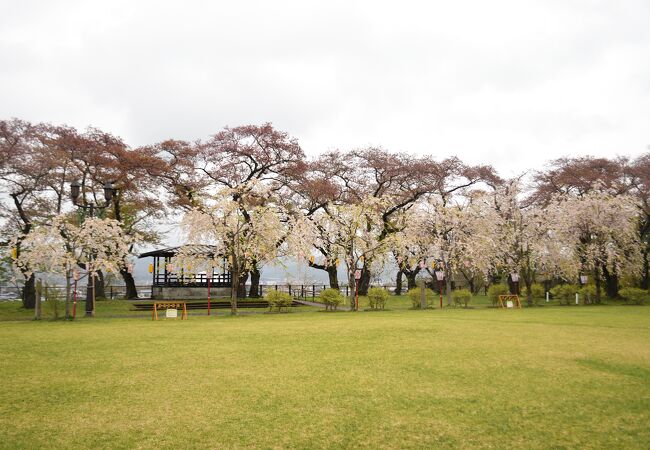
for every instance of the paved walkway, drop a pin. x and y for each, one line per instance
(320, 305)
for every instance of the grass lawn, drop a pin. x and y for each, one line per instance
(554, 377)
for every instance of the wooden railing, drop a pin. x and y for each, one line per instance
(198, 280)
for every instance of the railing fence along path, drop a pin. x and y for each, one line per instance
(303, 291)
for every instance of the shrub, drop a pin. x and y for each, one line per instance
(588, 293)
(377, 298)
(634, 295)
(565, 293)
(495, 290)
(414, 296)
(461, 297)
(332, 298)
(278, 299)
(537, 290)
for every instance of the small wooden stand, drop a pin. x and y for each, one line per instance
(172, 304)
(504, 298)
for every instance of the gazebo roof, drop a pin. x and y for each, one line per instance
(209, 251)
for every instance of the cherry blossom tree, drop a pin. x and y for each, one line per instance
(524, 240)
(353, 233)
(246, 225)
(638, 173)
(600, 229)
(59, 247)
(452, 236)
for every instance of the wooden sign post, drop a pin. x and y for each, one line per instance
(510, 301)
(169, 305)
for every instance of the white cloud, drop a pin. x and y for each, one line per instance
(505, 82)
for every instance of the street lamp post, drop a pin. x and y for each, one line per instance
(75, 192)
(440, 276)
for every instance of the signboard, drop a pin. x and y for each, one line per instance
(171, 313)
(509, 304)
(357, 274)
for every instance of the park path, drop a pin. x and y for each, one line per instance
(319, 305)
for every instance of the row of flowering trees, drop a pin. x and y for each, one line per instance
(251, 192)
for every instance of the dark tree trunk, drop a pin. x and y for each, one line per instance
(410, 280)
(410, 277)
(645, 278)
(598, 285)
(129, 282)
(398, 283)
(99, 285)
(331, 273)
(472, 285)
(364, 282)
(611, 283)
(29, 292)
(234, 288)
(241, 285)
(333, 276)
(254, 291)
(529, 292)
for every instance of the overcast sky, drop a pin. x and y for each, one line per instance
(511, 83)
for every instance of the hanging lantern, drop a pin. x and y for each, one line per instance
(150, 268)
(311, 259)
(14, 253)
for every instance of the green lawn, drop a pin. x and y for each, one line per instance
(555, 377)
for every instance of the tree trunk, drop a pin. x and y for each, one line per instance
(410, 280)
(234, 287)
(129, 281)
(611, 283)
(333, 276)
(448, 282)
(529, 293)
(472, 285)
(29, 293)
(38, 304)
(598, 285)
(645, 278)
(241, 285)
(100, 289)
(364, 282)
(398, 283)
(254, 291)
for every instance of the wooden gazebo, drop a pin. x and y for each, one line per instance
(169, 284)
